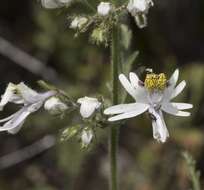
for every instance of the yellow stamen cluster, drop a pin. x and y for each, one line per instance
(154, 81)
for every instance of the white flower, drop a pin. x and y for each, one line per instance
(104, 8)
(55, 106)
(78, 22)
(53, 4)
(88, 106)
(139, 9)
(139, 6)
(86, 137)
(21, 94)
(154, 96)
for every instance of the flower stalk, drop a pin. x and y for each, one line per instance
(114, 130)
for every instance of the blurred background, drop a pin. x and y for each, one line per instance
(37, 44)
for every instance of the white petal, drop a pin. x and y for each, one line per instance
(34, 107)
(80, 100)
(31, 96)
(178, 89)
(127, 85)
(27, 93)
(20, 116)
(142, 95)
(155, 97)
(44, 96)
(17, 99)
(160, 131)
(7, 118)
(86, 109)
(156, 134)
(128, 114)
(169, 108)
(183, 114)
(124, 108)
(90, 100)
(174, 78)
(138, 92)
(64, 1)
(182, 106)
(134, 79)
(7, 96)
(16, 129)
(167, 94)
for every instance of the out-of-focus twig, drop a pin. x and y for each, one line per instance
(28, 152)
(26, 61)
(194, 175)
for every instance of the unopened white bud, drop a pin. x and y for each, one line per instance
(86, 137)
(139, 6)
(104, 8)
(54, 106)
(88, 106)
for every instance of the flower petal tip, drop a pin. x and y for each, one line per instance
(111, 120)
(184, 114)
(106, 112)
(121, 76)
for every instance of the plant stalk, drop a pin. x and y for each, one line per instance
(114, 130)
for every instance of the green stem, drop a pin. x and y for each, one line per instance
(114, 131)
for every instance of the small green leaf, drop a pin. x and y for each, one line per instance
(100, 36)
(126, 69)
(46, 86)
(194, 174)
(129, 62)
(70, 132)
(126, 36)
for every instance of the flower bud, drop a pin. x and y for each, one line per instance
(139, 6)
(86, 137)
(54, 106)
(78, 22)
(88, 106)
(104, 8)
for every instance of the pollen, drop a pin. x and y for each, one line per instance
(155, 81)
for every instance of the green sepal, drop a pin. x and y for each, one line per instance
(70, 132)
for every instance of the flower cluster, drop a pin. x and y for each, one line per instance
(88, 109)
(55, 101)
(30, 100)
(104, 17)
(153, 96)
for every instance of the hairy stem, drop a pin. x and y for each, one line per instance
(114, 131)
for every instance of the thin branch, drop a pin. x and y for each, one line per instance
(26, 61)
(28, 152)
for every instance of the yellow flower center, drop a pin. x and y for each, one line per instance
(154, 81)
